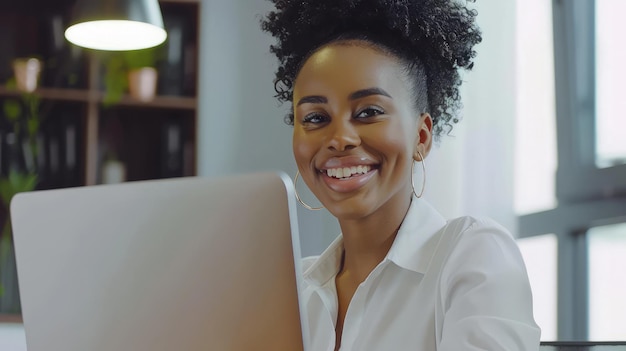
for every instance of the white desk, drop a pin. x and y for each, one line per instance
(12, 337)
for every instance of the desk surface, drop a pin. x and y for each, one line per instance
(12, 337)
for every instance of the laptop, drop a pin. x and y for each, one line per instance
(179, 264)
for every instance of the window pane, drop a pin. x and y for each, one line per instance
(610, 78)
(607, 283)
(540, 256)
(535, 131)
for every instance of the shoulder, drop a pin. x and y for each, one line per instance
(462, 225)
(484, 287)
(480, 246)
(473, 231)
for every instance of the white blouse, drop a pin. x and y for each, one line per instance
(448, 286)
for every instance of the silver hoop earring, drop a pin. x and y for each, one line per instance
(423, 179)
(295, 181)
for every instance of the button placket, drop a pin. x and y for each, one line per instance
(356, 310)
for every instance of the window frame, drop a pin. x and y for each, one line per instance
(578, 178)
(587, 196)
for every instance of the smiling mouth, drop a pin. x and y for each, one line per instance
(347, 172)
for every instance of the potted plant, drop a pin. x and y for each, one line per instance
(115, 77)
(26, 71)
(133, 71)
(23, 116)
(142, 73)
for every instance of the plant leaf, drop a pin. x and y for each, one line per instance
(16, 182)
(12, 110)
(5, 242)
(6, 191)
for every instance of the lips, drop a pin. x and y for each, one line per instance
(347, 174)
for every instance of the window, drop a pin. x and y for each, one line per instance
(535, 153)
(539, 254)
(610, 77)
(588, 196)
(607, 282)
(535, 138)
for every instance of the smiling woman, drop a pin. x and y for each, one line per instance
(372, 84)
(357, 120)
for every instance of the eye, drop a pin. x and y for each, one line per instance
(314, 118)
(369, 111)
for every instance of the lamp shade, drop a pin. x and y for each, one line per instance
(116, 25)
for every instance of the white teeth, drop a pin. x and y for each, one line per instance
(346, 172)
(340, 173)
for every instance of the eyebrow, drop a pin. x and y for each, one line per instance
(313, 99)
(318, 99)
(367, 92)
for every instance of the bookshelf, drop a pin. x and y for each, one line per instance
(84, 99)
(79, 131)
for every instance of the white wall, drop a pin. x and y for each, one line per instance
(471, 173)
(241, 125)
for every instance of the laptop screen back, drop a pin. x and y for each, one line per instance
(184, 264)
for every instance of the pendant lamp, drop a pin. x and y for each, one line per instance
(116, 25)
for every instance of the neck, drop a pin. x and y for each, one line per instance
(368, 240)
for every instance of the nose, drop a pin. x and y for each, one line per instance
(344, 136)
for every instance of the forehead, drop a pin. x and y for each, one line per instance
(346, 67)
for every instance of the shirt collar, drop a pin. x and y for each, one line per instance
(326, 265)
(411, 248)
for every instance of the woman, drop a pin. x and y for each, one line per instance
(372, 83)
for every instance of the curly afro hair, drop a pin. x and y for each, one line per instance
(432, 38)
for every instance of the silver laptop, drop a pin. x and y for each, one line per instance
(184, 264)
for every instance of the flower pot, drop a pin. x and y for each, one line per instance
(26, 71)
(142, 83)
(113, 172)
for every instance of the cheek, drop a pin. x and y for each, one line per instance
(303, 149)
(396, 140)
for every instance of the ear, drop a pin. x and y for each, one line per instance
(424, 138)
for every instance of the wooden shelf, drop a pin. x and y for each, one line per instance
(85, 106)
(174, 102)
(53, 94)
(155, 139)
(11, 318)
(86, 96)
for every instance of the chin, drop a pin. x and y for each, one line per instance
(349, 210)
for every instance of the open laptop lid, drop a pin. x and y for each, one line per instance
(182, 264)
